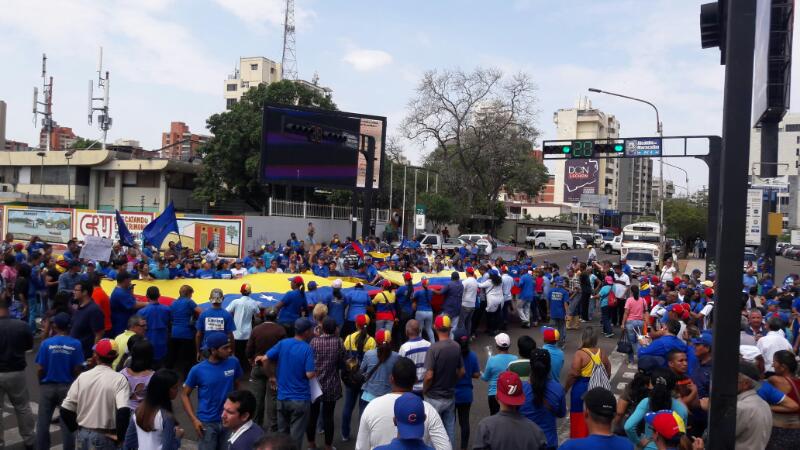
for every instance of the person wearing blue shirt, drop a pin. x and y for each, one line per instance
(545, 400)
(403, 300)
(316, 295)
(550, 337)
(292, 305)
(495, 365)
(464, 395)
(181, 343)
(223, 271)
(558, 298)
(257, 267)
(659, 398)
(214, 379)
(600, 407)
(206, 273)
(214, 320)
(338, 304)
(60, 359)
(423, 310)
(357, 300)
(666, 343)
(294, 361)
(527, 309)
(320, 269)
(749, 280)
(123, 304)
(160, 272)
(158, 319)
(453, 293)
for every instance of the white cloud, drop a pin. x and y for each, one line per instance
(258, 14)
(364, 60)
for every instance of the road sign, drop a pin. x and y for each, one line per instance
(770, 183)
(795, 239)
(643, 147)
(753, 223)
(419, 222)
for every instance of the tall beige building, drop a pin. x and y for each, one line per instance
(252, 71)
(586, 122)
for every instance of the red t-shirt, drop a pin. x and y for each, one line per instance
(101, 298)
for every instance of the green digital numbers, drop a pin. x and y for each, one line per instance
(582, 149)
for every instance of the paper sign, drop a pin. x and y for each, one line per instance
(96, 248)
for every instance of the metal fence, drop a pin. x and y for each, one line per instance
(316, 211)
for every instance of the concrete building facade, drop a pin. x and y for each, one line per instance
(669, 192)
(635, 185)
(2, 125)
(179, 143)
(61, 138)
(252, 72)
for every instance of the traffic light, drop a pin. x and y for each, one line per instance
(713, 26)
(608, 147)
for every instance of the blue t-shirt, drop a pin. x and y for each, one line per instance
(405, 444)
(423, 298)
(205, 274)
(321, 271)
(494, 366)
(213, 382)
(181, 312)
(336, 309)
(294, 359)
(359, 300)
(526, 287)
(403, 298)
(464, 384)
(556, 360)
(123, 306)
(158, 318)
(545, 415)
(770, 393)
(596, 441)
(558, 298)
(318, 296)
(293, 304)
(215, 320)
(58, 356)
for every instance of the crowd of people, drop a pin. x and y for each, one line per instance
(270, 376)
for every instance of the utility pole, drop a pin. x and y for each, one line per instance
(103, 119)
(289, 58)
(47, 104)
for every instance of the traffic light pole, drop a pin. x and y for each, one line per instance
(731, 212)
(769, 169)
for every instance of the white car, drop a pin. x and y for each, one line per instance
(578, 242)
(613, 246)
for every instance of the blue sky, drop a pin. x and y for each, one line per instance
(168, 58)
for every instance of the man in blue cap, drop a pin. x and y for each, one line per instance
(409, 416)
(558, 298)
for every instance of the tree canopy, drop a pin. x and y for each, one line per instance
(231, 158)
(685, 219)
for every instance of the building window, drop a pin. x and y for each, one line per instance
(50, 175)
(245, 85)
(231, 87)
(230, 102)
(798, 139)
(271, 70)
(253, 66)
(792, 127)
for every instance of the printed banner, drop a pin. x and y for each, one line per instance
(581, 176)
(53, 226)
(198, 232)
(103, 224)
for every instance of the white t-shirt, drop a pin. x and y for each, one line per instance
(668, 273)
(620, 289)
(706, 311)
(243, 309)
(415, 350)
(151, 440)
(238, 273)
(508, 283)
(470, 292)
(771, 343)
(494, 294)
(377, 425)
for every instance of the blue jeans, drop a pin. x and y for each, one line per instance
(630, 327)
(214, 436)
(351, 397)
(293, 418)
(384, 325)
(605, 319)
(446, 407)
(34, 311)
(50, 397)
(88, 439)
(425, 319)
(561, 326)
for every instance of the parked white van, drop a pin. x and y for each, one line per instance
(551, 239)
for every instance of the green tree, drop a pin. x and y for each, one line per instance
(439, 209)
(83, 143)
(232, 156)
(685, 220)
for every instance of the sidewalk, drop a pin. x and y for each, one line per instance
(688, 265)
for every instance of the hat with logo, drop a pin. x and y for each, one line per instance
(106, 348)
(442, 322)
(509, 389)
(600, 401)
(216, 296)
(704, 339)
(460, 335)
(550, 335)
(409, 413)
(666, 423)
(301, 325)
(502, 340)
(362, 320)
(215, 340)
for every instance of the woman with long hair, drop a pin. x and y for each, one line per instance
(377, 368)
(662, 388)
(583, 363)
(356, 345)
(493, 287)
(635, 391)
(545, 400)
(139, 371)
(153, 425)
(634, 319)
(423, 310)
(785, 425)
(464, 397)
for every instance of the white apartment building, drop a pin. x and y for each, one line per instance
(586, 122)
(252, 71)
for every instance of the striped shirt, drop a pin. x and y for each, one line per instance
(415, 350)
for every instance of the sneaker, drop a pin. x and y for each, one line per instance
(345, 439)
(609, 335)
(584, 321)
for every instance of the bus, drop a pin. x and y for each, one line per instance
(642, 246)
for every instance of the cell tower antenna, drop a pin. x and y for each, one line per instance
(46, 103)
(103, 82)
(289, 59)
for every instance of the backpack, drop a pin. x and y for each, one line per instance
(612, 298)
(351, 368)
(599, 377)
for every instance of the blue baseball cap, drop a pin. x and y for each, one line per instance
(312, 285)
(215, 340)
(559, 281)
(773, 302)
(301, 325)
(409, 413)
(704, 339)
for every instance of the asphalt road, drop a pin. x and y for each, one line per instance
(621, 373)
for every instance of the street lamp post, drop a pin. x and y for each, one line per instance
(68, 156)
(660, 131)
(41, 173)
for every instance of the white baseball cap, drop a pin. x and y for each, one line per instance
(502, 340)
(337, 283)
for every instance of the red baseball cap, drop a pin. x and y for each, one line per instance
(666, 423)
(709, 292)
(407, 275)
(383, 336)
(470, 269)
(362, 320)
(106, 348)
(245, 288)
(386, 283)
(298, 279)
(509, 389)
(442, 322)
(550, 335)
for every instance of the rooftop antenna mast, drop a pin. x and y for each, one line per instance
(103, 82)
(289, 59)
(46, 103)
